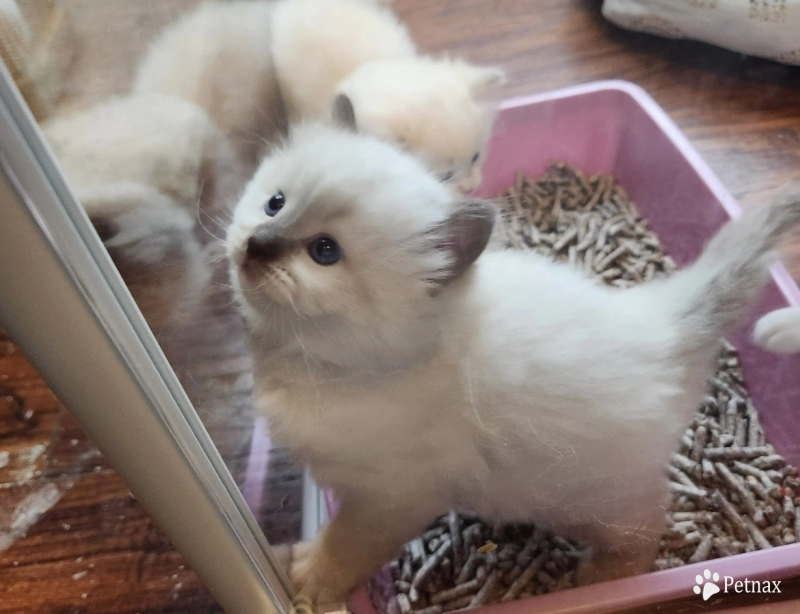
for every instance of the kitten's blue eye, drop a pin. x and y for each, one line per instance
(324, 251)
(475, 158)
(275, 204)
(447, 176)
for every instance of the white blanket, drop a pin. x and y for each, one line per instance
(765, 28)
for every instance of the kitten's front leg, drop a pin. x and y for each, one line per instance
(361, 537)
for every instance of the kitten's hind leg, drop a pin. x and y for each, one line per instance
(364, 535)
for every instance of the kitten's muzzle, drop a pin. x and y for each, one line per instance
(265, 246)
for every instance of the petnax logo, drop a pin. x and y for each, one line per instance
(708, 585)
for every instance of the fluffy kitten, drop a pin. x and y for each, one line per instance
(317, 43)
(243, 61)
(139, 162)
(435, 108)
(219, 57)
(415, 376)
(779, 331)
(355, 53)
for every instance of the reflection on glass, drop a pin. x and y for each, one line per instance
(157, 175)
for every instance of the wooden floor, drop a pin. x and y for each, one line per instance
(93, 550)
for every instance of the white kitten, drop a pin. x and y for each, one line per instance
(414, 376)
(139, 161)
(779, 331)
(219, 57)
(412, 382)
(438, 109)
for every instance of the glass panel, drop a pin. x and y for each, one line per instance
(627, 181)
(173, 175)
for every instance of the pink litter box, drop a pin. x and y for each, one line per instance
(615, 127)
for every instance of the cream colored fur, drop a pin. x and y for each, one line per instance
(220, 58)
(439, 109)
(317, 43)
(413, 382)
(436, 108)
(252, 64)
(148, 154)
(779, 331)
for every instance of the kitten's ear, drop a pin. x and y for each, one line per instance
(465, 235)
(344, 114)
(482, 79)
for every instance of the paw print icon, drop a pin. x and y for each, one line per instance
(707, 584)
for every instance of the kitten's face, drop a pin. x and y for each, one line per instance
(434, 108)
(341, 239)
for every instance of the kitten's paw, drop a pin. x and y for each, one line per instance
(295, 560)
(316, 577)
(300, 565)
(779, 331)
(283, 552)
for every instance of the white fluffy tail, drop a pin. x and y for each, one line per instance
(779, 331)
(717, 289)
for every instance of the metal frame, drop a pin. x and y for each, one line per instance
(65, 305)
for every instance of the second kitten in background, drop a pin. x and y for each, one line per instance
(253, 65)
(356, 55)
(434, 108)
(219, 57)
(140, 164)
(317, 43)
